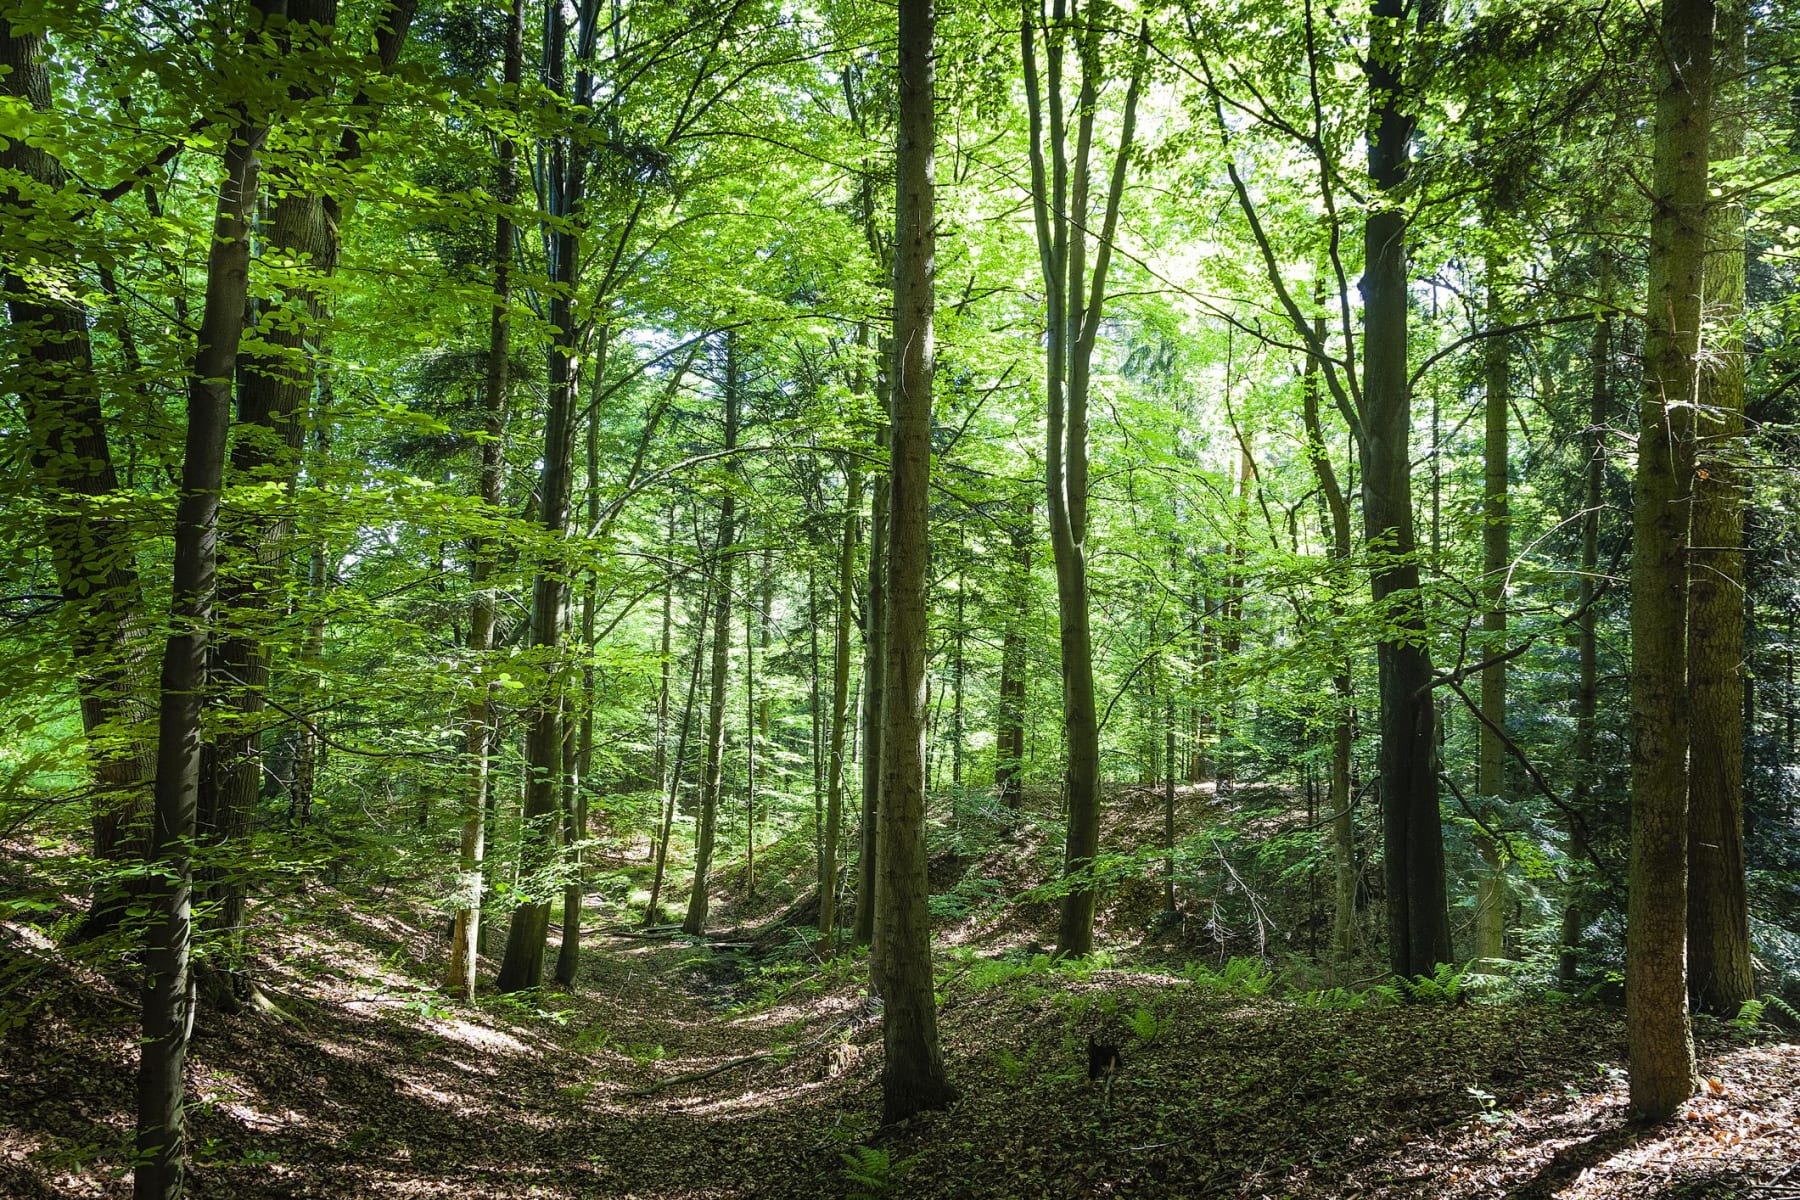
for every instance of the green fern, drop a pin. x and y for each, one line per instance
(1145, 1025)
(871, 1171)
(1442, 986)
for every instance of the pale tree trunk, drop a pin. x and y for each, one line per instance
(168, 996)
(1660, 1041)
(71, 460)
(1412, 828)
(1496, 542)
(712, 780)
(1062, 215)
(840, 705)
(912, 1074)
(1719, 972)
(479, 718)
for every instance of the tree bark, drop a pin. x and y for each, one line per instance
(1412, 828)
(912, 1075)
(1720, 979)
(1496, 542)
(168, 996)
(1660, 1041)
(681, 747)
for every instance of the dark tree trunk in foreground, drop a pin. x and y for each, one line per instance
(72, 469)
(1661, 1043)
(912, 1076)
(168, 992)
(1412, 829)
(1719, 972)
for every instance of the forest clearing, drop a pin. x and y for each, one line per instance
(965, 598)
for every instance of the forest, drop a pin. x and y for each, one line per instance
(1047, 598)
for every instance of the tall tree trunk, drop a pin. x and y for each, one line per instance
(1009, 748)
(1061, 214)
(1587, 687)
(1496, 543)
(1412, 829)
(1661, 1044)
(578, 742)
(840, 704)
(479, 719)
(912, 1074)
(1343, 814)
(168, 996)
(72, 469)
(750, 722)
(522, 965)
(713, 780)
(874, 692)
(1719, 974)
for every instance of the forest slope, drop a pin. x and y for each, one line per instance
(372, 1085)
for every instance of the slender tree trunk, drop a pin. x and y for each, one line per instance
(168, 996)
(1343, 815)
(840, 702)
(750, 728)
(1719, 974)
(713, 780)
(912, 1075)
(1587, 688)
(1009, 747)
(1496, 541)
(522, 965)
(681, 748)
(1661, 1044)
(1412, 829)
(478, 721)
(874, 694)
(578, 754)
(1061, 214)
(71, 465)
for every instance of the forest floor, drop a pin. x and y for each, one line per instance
(721, 1068)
